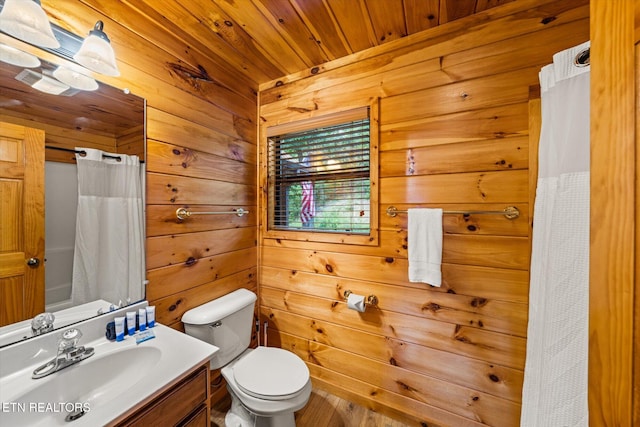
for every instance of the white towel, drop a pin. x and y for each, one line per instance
(425, 245)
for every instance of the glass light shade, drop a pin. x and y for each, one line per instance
(27, 21)
(48, 85)
(13, 56)
(96, 53)
(75, 79)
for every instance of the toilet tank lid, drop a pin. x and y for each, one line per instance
(219, 308)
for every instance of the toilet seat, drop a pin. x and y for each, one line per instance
(271, 374)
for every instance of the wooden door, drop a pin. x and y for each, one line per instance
(21, 222)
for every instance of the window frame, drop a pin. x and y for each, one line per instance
(316, 122)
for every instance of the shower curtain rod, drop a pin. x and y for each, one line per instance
(83, 153)
(510, 212)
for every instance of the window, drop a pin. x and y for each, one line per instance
(319, 175)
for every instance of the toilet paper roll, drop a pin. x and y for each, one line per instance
(356, 302)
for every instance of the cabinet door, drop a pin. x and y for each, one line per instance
(175, 406)
(197, 419)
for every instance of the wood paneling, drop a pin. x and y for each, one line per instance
(636, 323)
(402, 408)
(165, 127)
(66, 137)
(197, 245)
(171, 308)
(12, 293)
(414, 357)
(498, 89)
(613, 229)
(130, 39)
(201, 130)
(193, 272)
(112, 113)
(454, 133)
(166, 189)
(446, 40)
(446, 307)
(161, 220)
(490, 123)
(499, 284)
(176, 160)
(489, 155)
(490, 187)
(200, 66)
(425, 390)
(471, 341)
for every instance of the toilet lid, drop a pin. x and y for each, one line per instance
(271, 373)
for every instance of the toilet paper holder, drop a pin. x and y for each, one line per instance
(371, 299)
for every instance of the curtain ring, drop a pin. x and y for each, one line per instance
(582, 59)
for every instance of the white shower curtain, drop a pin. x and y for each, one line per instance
(108, 260)
(555, 377)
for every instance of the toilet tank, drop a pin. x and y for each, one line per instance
(225, 322)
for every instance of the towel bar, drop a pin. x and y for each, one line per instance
(510, 212)
(184, 213)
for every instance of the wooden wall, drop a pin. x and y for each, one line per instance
(614, 355)
(65, 137)
(131, 143)
(454, 133)
(201, 154)
(635, 391)
(449, 356)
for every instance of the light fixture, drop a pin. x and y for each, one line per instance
(13, 56)
(49, 85)
(96, 53)
(75, 79)
(41, 82)
(27, 21)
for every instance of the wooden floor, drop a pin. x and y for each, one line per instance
(323, 410)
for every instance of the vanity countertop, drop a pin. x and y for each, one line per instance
(117, 378)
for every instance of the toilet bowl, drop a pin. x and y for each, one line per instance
(267, 385)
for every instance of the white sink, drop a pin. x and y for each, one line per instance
(86, 383)
(118, 377)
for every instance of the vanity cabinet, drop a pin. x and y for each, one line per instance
(183, 404)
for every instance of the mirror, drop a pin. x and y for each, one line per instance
(108, 119)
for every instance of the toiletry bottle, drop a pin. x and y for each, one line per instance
(119, 321)
(110, 332)
(151, 316)
(142, 319)
(131, 322)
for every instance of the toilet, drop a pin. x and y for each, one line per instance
(267, 385)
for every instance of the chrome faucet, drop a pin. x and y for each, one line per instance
(69, 353)
(42, 323)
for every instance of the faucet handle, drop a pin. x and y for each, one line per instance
(69, 339)
(43, 322)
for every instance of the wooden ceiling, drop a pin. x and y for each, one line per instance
(106, 111)
(268, 39)
(226, 49)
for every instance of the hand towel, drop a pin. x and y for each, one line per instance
(425, 245)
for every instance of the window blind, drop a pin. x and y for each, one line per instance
(321, 179)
